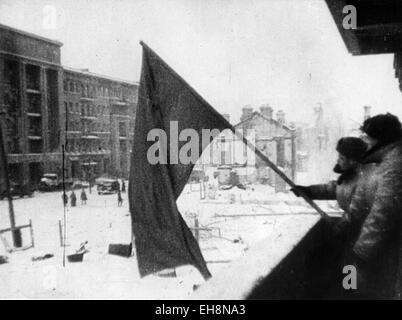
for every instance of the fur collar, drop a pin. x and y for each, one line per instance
(377, 153)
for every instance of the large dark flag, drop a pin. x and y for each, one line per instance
(162, 238)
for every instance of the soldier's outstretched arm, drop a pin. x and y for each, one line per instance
(318, 191)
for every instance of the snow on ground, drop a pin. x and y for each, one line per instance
(235, 221)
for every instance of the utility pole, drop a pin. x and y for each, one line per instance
(90, 175)
(16, 233)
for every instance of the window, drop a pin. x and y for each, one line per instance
(35, 126)
(68, 145)
(34, 104)
(122, 129)
(35, 146)
(32, 77)
(71, 86)
(71, 146)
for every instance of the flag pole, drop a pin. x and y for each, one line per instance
(241, 137)
(284, 177)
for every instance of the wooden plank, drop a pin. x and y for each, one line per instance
(15, 228)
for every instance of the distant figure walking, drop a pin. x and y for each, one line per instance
(64, 197)
(123, 186)
(119, 199)
(84, 197)
(73, 199)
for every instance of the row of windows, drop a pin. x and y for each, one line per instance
(85, 109)
(93, 91)
(87, 127)
(79, 145)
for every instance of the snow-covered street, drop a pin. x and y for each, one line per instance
(233, 222)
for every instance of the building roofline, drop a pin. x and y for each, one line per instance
(257, 113)
(31, 35)
(58, 65)
(58, 43)
(92, 74)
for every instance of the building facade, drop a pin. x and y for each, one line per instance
(274, 137)
(44, 106)
(31, 93)
(100, 119)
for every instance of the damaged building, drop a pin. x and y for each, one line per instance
(273, 136)
(44, 105)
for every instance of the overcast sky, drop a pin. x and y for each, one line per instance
(287, 53)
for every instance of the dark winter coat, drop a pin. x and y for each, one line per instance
(119, 198)
(378, 208)
(65, 198)
(84, 196)
(73, 199)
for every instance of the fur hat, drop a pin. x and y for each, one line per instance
(383, 127)
(352, 147)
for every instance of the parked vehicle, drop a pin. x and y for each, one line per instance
(80, 184)
(18, 190)
(107, 186)
(52, 182)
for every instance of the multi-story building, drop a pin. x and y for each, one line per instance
(43, 105)
(100, 117)
(31, 93)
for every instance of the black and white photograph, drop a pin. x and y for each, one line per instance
(200, 150)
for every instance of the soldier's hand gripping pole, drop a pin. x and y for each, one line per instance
(280, 173)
